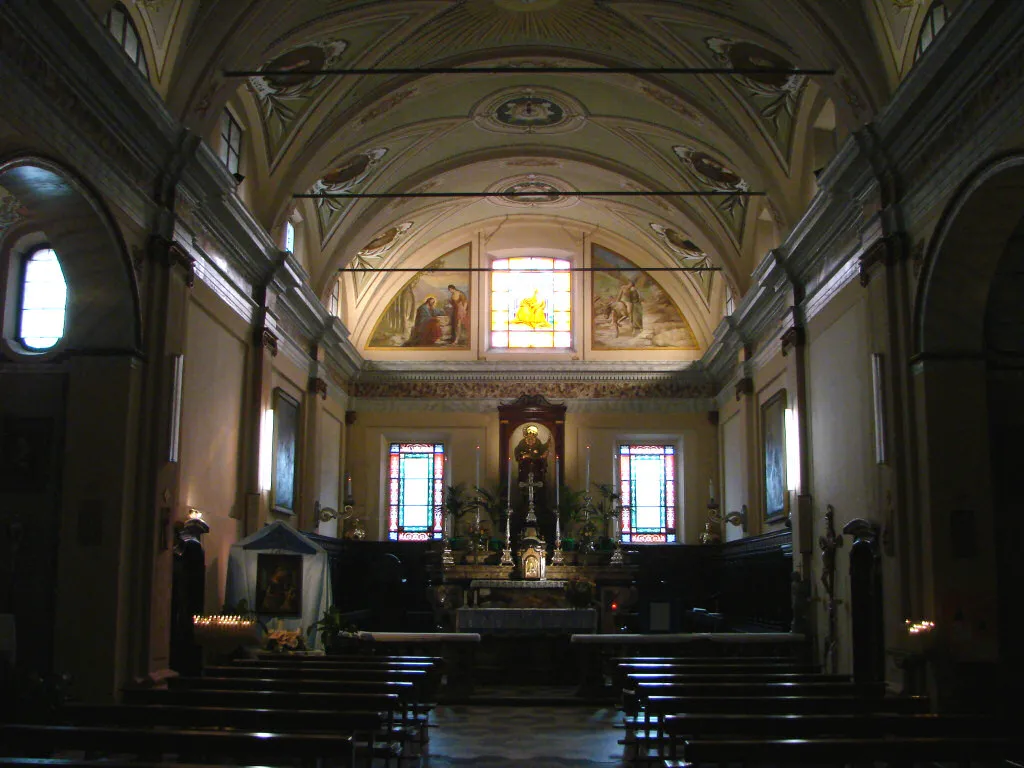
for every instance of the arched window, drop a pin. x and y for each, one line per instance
(123, 29)
(934, 20)
(43, 300)
(531, 303)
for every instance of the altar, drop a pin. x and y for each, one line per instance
(522, 590)
(526, 621)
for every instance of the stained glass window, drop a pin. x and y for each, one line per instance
(647, 484)
(531, 303)
(415, 491)
(44, 300)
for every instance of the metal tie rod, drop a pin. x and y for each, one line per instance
(386, 71)
(567, 269)
(559, 193)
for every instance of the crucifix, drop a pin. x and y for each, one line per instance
(530, 485)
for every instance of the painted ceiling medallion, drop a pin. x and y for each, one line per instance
(529, 111)
(300, 63)
(775, 96)
(712, 174)
(385, 241)
(532, 190)
(373, 254)
(710, 171)
(283, 99)
(678, 243)
(688, 254)
(349, 176)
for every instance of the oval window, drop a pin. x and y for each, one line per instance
(44, 300)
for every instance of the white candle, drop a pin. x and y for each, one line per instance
(711, 489)
(348, 487)
(478, 466)
(587, 484)
(510, 481)
(557, 492)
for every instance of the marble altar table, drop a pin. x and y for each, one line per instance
(525, 621)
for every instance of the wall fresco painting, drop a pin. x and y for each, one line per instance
(432, 310)
(631, 311)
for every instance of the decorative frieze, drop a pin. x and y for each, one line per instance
(474, 390)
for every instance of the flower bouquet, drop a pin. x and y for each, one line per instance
(281, 640)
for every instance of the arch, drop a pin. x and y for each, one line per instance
(949, 313)
(103, 311)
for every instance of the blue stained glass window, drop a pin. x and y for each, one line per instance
(415, 491)
(647, 487)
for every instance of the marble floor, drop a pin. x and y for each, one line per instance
(577, 735)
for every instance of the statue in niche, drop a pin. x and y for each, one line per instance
(532, 454)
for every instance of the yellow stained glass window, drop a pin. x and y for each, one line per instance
(531, 303)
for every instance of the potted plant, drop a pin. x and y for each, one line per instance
(335, 635)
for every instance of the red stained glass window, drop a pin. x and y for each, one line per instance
(416, 484)
(647, 487)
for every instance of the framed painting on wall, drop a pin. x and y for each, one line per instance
(773, 440)
(279, 584)
(286, 434)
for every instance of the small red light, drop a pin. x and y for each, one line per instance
(615, 606)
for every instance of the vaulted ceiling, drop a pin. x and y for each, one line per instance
(524, 130)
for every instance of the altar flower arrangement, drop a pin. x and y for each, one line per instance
(579, 592)
(281, 640)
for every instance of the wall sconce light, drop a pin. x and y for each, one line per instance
(267, 450)
(792, 451)
(738, 518)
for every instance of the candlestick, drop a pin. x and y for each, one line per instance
(587, 484)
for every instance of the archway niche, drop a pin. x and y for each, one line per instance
(103, 299)
(970, 293)
(72, 413)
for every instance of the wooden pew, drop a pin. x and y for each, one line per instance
(42, 740)
(68, 762)
(841, 752)
(650, 687)
(426, 678)
(415, 704)
(679, 728)
(616, 671)
(645, 731)
(397, 717)
(374, 731)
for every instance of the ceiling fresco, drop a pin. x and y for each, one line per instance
(525, 128)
